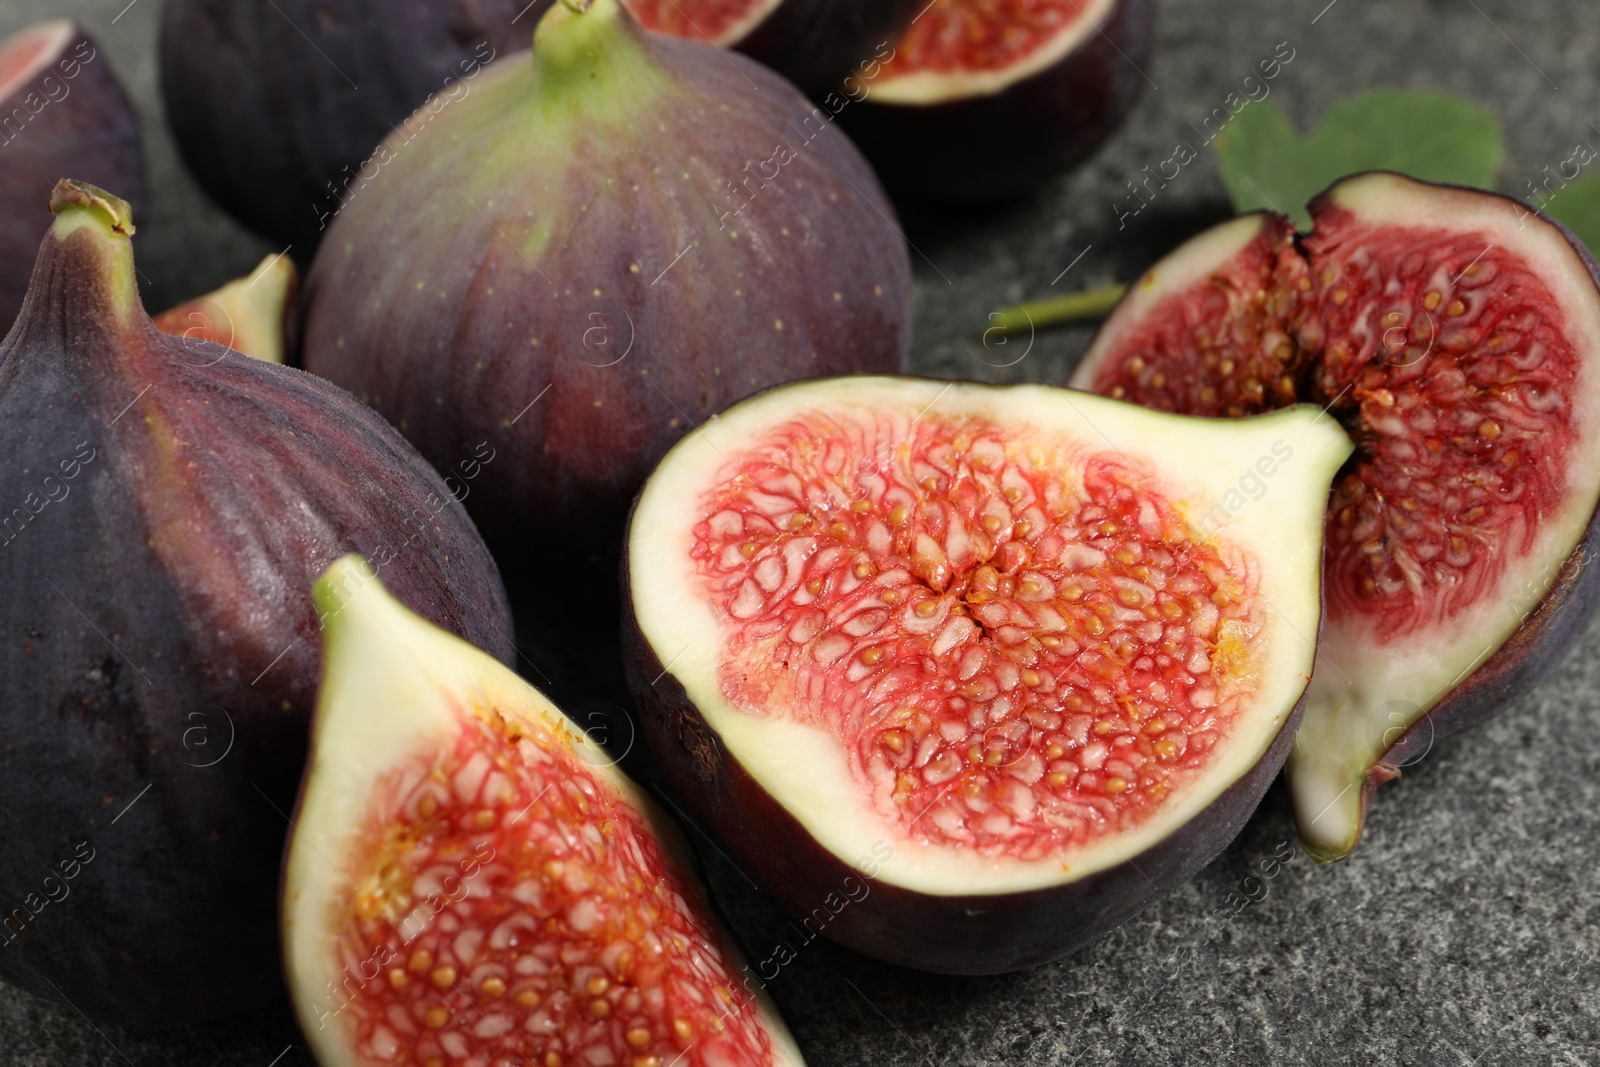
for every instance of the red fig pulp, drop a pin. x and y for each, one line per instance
(1457, 335)
(251, 315)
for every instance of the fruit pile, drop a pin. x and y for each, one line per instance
(962, 675)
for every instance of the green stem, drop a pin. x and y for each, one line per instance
(1073, 307)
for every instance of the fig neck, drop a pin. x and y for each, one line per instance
(591, 58)
(85, 266)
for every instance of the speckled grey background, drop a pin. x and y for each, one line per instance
(1464, 931)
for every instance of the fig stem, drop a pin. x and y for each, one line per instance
(1058, 310)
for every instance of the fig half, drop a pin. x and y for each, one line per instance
(1456, 335)
(814, 43)
(251, 315)
(982, 99)
(1023, 656)
(62, 111)
(169, 503)
(607, 242)
(472, 880)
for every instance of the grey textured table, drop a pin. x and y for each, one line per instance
(1463, 931)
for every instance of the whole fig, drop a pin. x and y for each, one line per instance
(167, 504)
(605, 243)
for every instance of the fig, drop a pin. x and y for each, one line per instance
(170, 503)
(1456, 335)
(984, 100)
(251, 315)
(62, 111)
(277, 107)
(472, 880)
(563, 264)
(814, 43)
(1024, 657)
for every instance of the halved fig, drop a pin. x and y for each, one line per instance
(1456, 335)
(986, 98)
(472, 881)
(813, 43)
(250, 315)
(1022, 657)
(62, 111)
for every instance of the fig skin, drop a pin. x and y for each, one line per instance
(161, 650)
(82, 124)
(1008, 143)
(987, 934)
(263, 100)
(811, 277)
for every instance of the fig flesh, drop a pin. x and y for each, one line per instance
(1025, 656)
(983, 99)
(1456, 334)
(472, 880)
(814, 43)
(62, 111)
(560, 265)
(277, 107)
(251, 315)
(170, 503)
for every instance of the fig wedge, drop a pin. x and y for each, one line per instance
(1025, 656)
(472, 880)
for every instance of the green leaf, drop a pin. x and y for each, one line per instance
(1577, 205)
(1430, 135)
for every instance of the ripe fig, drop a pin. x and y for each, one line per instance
(1456, 334)
(277, 107)
(1026, 657)
(473, 880)
(62, 111)
(814, 43)
(251, 315)
(560, 265)
(983, 99)
(168, 505)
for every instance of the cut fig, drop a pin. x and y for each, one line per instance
(1022, 656)
(471, 880)
(251, 315)
(169, 504)
(1456, 335)
(983, 99)
(814, 43)
(62, 111)
(562, 266)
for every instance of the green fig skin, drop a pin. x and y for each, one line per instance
(561, 266)
(167, 505)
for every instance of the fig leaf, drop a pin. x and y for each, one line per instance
(1423, 133)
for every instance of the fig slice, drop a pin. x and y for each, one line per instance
(472, 880)
(1456, 335)
(250, 315)
(1024, 656)
(986, 98)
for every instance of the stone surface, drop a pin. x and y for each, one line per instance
(1464, 929)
